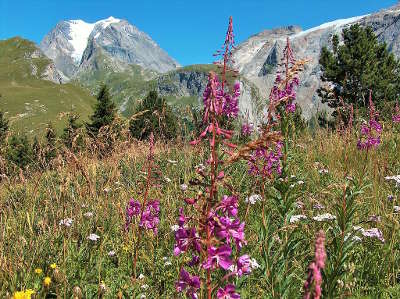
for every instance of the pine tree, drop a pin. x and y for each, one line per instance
(70, 136)
(19, 151)
(153, 115)
(104, 112)
(357, 66)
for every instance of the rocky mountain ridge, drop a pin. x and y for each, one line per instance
(72, 46)
(257, 58)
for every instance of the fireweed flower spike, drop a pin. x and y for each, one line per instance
(370, 133)
(312, 286)
(213, 233)
(147, 211)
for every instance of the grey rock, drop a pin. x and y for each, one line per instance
(257, 57)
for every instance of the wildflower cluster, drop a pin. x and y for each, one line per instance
(214, 237)
(312, 286)
(284, 89)
(370, 133)
(149, 218)
(265, 161)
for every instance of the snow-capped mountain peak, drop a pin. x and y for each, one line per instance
(79, 32)
(71, 44)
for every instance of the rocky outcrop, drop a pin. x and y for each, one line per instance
(257, 58)
(190, 82)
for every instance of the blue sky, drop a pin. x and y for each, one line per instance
(190, 31)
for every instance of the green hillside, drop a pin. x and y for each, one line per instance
(28, 100)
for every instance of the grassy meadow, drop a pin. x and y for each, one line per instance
(93, 193)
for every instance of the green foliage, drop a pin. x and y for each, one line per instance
(19, 151)
(3, 128)
(29, 100)
(72, 134)
(153, 115)
(50, 149)
(357, 66)
(104, 112)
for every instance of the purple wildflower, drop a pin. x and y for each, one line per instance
(370, 133)
(264, 162)
(247, 129)
(229, 292)
(132, 209)
(219, 257)
(150, 215)
(228, 228)
(185, 239)
(314, 278)
(244, 265)
(229, 204)
(189, 283)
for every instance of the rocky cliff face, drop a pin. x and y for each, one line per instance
(74, 46)
(191, 82)
(257, 58)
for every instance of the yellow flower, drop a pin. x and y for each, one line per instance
(47, 281)
(23, 294)
(19, 295)
(53, 266)
(28, 293)
(38, 271)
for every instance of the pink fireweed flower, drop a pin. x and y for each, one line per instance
(189, 283)
(285, 91)
(229, 292)
(219, 257)
(229, 204)
(370, 133)
(312, 286)
(247, 129)
(229, 228)
(150, 215)
(185, 239)
(132, 209)
(265, 162)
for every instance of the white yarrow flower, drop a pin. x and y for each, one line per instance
(174, 227)
(66, 222)
(141, 276)
(297, 218)
(324, 217)
(395, 178)
(145, 286)
(93, 237)
(254, 264)
(184, 187)
(252, 199)
(88, 214)
(396, 209)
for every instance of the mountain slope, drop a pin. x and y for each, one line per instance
(257, 58)
(29, 98)
(73, 45)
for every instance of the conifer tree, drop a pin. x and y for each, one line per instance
(19, 151)
(357, 66)
(70, 136)
(153, 115)
(50, 149)
(104, 112)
